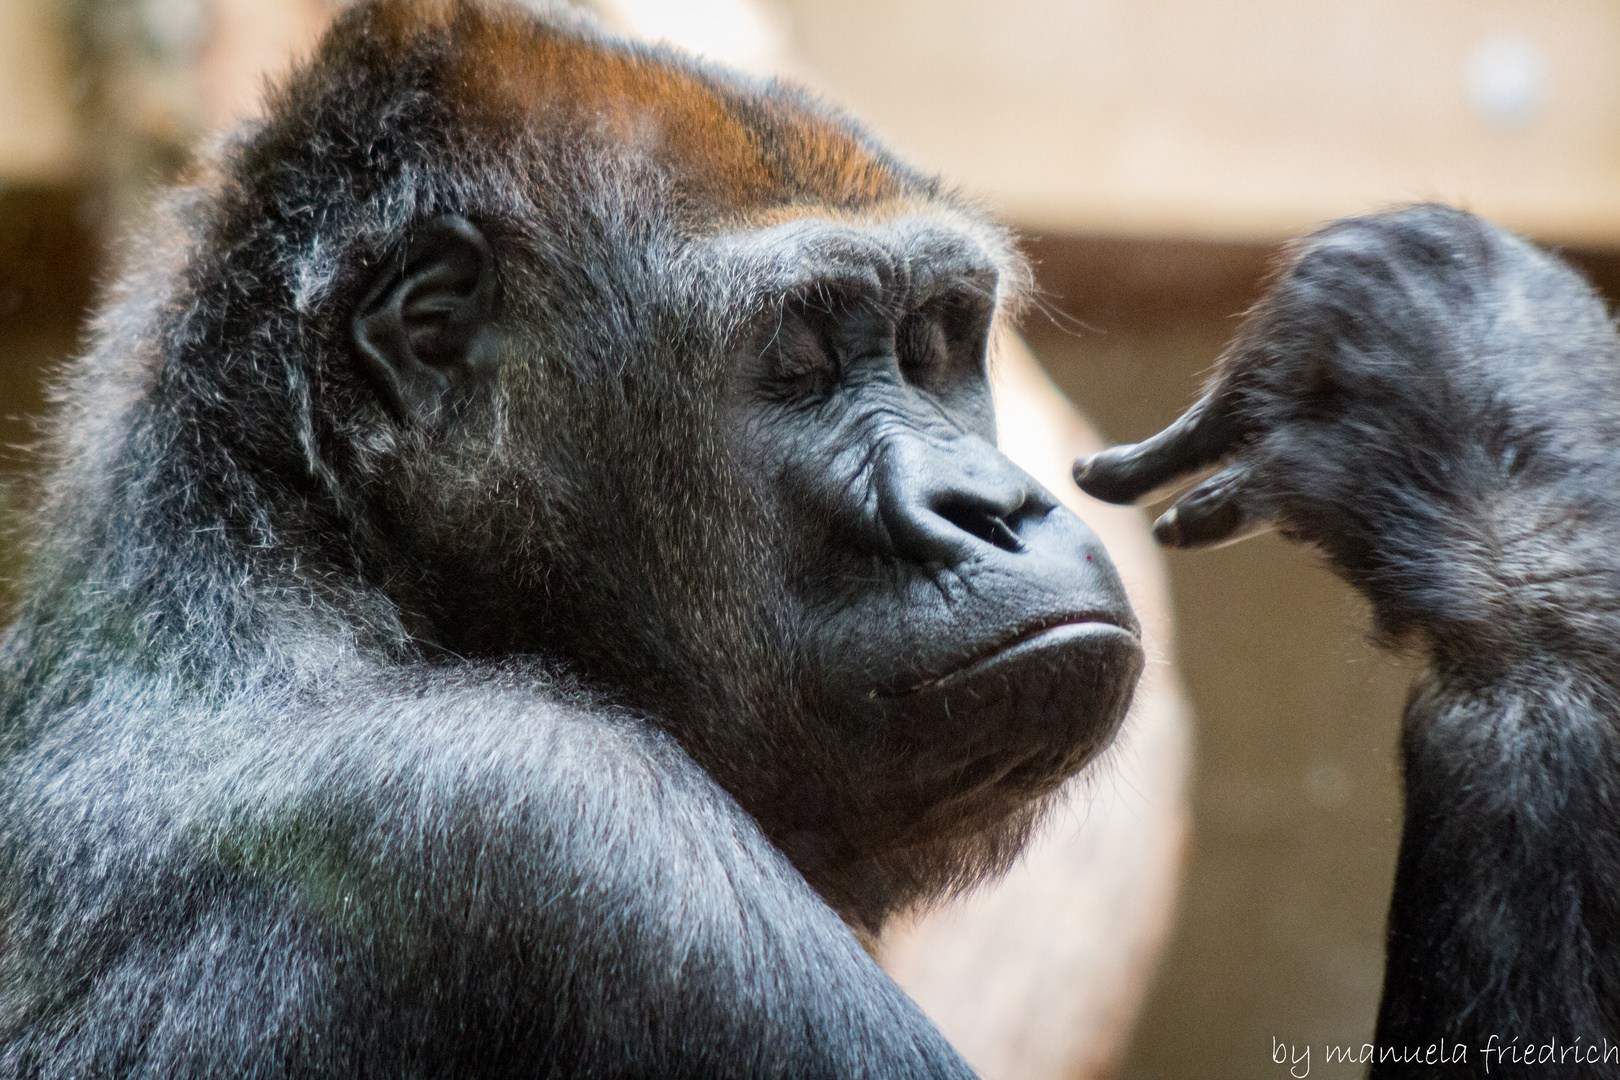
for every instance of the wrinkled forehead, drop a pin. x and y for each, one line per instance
(900, 261)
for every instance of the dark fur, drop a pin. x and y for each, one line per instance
(1433, 403)
(1467, 482)
(463, 731)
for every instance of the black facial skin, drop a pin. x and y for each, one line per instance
(1432, 404)
(971, 639)
(523, 583)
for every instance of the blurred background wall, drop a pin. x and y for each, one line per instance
(1155, 153)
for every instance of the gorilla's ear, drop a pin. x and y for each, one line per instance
(417, 332)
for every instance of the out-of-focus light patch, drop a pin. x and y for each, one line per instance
(1507, 81)
(176, 28)
(737, 33)
(1327, 786)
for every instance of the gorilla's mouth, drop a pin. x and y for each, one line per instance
(1094, 631)
(1010, 722)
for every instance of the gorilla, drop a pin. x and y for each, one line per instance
(523, 585)
(1431, 403)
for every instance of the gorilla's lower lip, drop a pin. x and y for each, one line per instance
(1101, 632)
(1012, 723)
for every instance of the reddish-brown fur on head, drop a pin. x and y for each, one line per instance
(727, 147)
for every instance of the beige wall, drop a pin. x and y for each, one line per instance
(1251, 120)
(1226, 120)
(38, 141)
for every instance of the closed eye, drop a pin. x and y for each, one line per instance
(946, 338)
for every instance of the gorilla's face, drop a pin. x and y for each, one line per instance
(749, 482)
(968, 635)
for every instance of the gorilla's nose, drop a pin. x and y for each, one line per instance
(963, 506)
(943, 503)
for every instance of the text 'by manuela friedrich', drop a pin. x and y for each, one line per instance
(1494, 1052)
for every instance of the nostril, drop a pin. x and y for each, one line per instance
(978, 519)
(1002, 536)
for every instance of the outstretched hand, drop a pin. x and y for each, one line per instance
(1433, 404)
(1219, 510)
(1424, 397)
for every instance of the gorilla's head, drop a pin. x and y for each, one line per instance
(619, 360)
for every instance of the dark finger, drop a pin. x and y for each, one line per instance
(1218, 511)
(1123, 474)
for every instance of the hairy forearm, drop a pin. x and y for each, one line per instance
(445, 809)
(1506, 908)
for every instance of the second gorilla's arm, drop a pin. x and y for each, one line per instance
(1436, 406)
